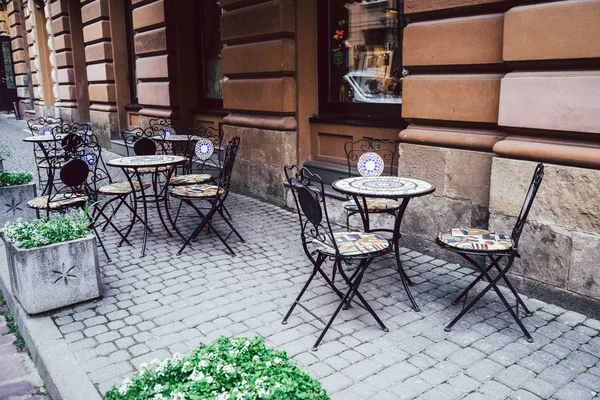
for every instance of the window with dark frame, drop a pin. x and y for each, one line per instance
(130, 33)
(360, 57)
(210, 76)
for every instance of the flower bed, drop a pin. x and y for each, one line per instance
(42, 232)
(238, 369)
(14, 178)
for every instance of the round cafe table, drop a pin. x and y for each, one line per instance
(153, 165)
(46, 145)
(389, 187)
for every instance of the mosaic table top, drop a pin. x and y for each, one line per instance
(158, 160)
(43, 138)
(175, 138)
(383, 186)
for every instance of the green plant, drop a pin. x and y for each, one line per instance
(229, 369)
(19, 343)
(42, 232)
(14, 178)
(4, 153)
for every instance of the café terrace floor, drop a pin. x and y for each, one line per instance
(155, 306)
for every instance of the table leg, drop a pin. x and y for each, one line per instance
(406, 282)
(157, 195)
(145, 203)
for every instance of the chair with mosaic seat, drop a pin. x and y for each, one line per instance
(69, 194)
(162, 128)
(321, 243)
(100, 187)
(495, 247)
(214, 195)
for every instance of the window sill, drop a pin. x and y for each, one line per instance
(359, 120)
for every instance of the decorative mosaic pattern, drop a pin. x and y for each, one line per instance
(190, 179)
(383, 186)
(90, 158)
(121, 188)
(475, 239)
(373, 205)
(58, 200)
(353, 244)
(204, 149)
(166, 132)
(370, 164)
(46, 130)
(46, 164)
(175, 138)
(146, 161)
(196, 191)
(43, 138)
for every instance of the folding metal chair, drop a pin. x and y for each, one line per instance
(215, 195)
(340, 247)
(469, 243)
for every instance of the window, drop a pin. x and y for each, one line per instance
(209, 60)
(130, 33)
(360, 57)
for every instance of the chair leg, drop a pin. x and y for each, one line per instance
(406, 282)
(316, 268)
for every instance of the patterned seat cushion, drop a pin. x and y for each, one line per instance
(121, 188)
(195, 191)
(58, 200)
(45, 164)
(374, 205)
(353, 244)
(475, 239)
(189, 179)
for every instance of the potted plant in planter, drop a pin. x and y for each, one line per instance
(226, 370)
(52, 263)
(15, 189)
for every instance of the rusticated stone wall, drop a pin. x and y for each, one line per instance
(259, 61)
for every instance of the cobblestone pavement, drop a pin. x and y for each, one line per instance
(155, 306)
(19, 379)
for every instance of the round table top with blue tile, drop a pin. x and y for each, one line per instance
(43, 138)
(158, 160)
(383, 186)
(175, 138)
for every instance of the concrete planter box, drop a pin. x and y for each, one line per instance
(54, 276)
(13, 202)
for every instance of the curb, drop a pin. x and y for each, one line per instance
(60, 371)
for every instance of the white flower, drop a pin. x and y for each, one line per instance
(212, 356)
(256, 358)
(203, 363)
(159, 396)
(158, 388)
(125, 386)
(277, 360)
(209, 379)
(155, 362)
(196, 375)
(268, 364)
(223, 396)
(228, 369)
(177, 396)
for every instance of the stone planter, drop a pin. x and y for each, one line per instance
(13, 202)
(54, 276)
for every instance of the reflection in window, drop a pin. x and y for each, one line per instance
(211, 50)
(366, 51)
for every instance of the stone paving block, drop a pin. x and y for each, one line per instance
(411, 388)
(571, 318)
(336, 382)
(494, 390)
(466, 357)
(540, 388)
(443, 391)
(575, 391)
(557, 375)
(523, 395)
(484, 370)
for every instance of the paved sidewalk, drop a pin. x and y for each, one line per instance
(19, 379)
(155, 306)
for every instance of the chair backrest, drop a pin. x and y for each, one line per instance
(309, 195)
(73, 175)
(205, 153)
(132, 135)
(164, 126)
(372, 156)
(91, 153)
(229, 160)
(44, 126)
(75, 128)
(71, 144)
(144, 147)
(536, 181)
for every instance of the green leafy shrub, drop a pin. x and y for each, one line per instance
(238, 369)
(14, 178)
(42, 232)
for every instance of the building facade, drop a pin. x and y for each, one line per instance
(475, 91)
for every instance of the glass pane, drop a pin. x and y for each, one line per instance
(365, 51)
(8, 68)
(211, 50)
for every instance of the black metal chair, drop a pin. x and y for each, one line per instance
(73, 175)
(371, 156)
(131, 136)
(340, 247)
(469, 243)
(215, 195)
(163, 127)
(39, 127)
(204, 158)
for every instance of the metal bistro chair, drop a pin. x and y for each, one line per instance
(340, 247)
(471, 242)
(101, 186)
(214, 194)
(39, 127)
(73, 175)
(164, 127)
